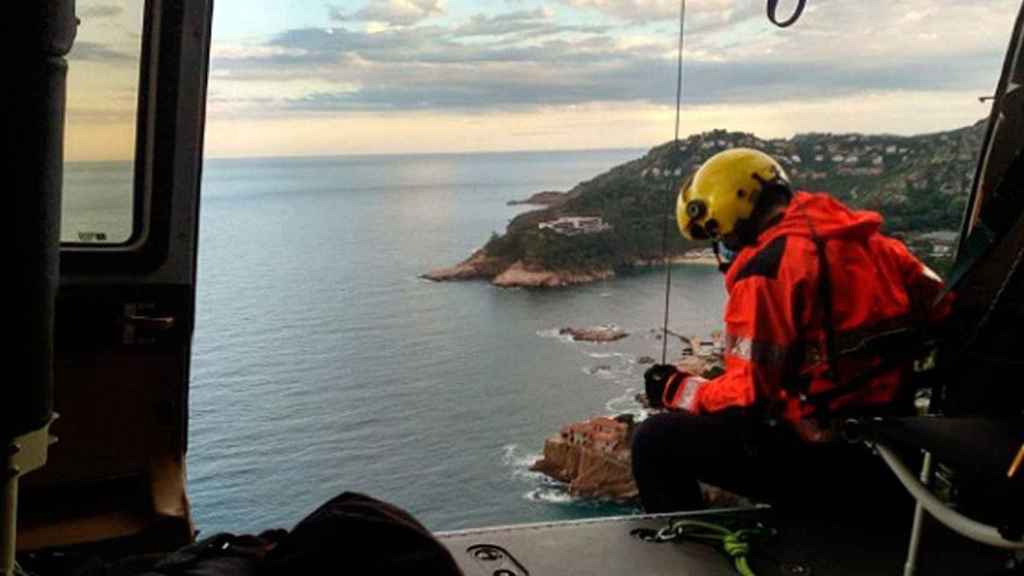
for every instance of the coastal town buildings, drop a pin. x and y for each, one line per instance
(604, 434)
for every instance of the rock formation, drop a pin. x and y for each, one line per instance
(482, 266)
(477, 267)
(592, 457)
(608, 333)
(522, 276)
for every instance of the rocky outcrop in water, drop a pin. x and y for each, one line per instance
(592, 457)
(595, 333)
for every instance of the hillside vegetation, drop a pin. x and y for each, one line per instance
(919, 184)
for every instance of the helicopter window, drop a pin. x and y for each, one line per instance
(100, 140)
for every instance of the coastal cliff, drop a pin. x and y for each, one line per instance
(592, 457)
(614, 222)
(480, 265)
(524, 276)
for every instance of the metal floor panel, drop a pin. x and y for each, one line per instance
(583, 547)
(605, 546)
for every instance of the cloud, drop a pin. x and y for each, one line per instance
(533, 58)
(98, 11)
(99, 115)
(393, 12)
(96, 52)
(720, 11)
(523, 24)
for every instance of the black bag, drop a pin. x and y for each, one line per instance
(356, 534)
(350, 534)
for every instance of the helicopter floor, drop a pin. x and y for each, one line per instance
(606, 546)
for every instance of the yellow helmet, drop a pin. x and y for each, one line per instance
(724, 192)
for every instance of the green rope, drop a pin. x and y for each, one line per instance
(735, 543)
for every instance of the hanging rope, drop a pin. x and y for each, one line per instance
(772, 8)
(673, 181)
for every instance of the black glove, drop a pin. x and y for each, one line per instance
(655, 379)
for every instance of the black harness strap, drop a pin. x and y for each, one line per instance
(895, 345)
(827, 316)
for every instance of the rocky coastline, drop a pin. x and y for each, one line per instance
(505, 274)
(517, 274)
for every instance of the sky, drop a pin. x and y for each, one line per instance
(313, 77)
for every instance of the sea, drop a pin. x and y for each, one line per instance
(323, 363)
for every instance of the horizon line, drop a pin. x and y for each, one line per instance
(539, 150)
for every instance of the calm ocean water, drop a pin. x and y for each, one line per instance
(321, 363)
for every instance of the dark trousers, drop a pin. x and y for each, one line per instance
(731, 450)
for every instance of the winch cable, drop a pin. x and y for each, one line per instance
(772, 7)
(673, 181)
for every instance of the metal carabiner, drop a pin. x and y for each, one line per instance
(773, 6)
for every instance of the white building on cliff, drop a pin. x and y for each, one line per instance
(573, 225)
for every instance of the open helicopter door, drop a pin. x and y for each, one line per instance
(123, 320)
(977, 421)
(987, 275)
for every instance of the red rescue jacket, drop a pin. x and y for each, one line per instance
(775, 341)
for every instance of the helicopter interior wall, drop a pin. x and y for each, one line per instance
(34, 120)
(1005, 131)
(118, 468)
(123, 327)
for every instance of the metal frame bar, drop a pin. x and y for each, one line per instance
(22, 455)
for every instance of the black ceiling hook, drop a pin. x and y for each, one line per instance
(773, 6)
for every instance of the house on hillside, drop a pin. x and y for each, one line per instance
(575, 225)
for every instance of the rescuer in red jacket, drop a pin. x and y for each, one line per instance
(819, 304)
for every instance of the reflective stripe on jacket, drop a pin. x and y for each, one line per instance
(775, 343)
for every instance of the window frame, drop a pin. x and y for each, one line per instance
(168, 117)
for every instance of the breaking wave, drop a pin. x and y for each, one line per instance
(602, 372)
(520, 462)
(550, 495)
(600, 355)
(544, 489)
(555, 333)
(627, 404)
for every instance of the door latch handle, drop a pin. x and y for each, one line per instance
(151, 323)
(144, 324)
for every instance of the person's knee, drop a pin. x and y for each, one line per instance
(660, 435)
(664, 478)
(649, 434)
